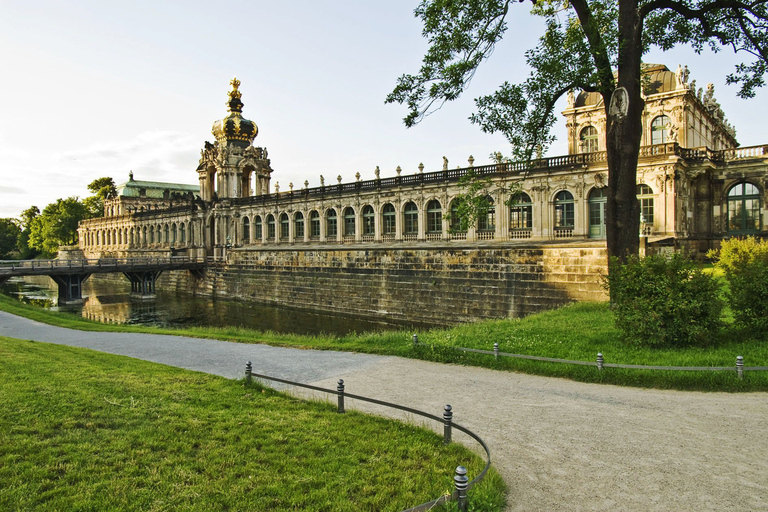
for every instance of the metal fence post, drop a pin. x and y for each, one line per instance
(415, 339)
(496, 350)
(340, 390)
(599, 361)
(447, 419)
(740, 367)
(248, 372)
(461, 482)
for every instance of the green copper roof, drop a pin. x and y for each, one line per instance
(156, 189)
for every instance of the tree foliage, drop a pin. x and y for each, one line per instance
(590, 45)
(9, 237)
(102, 189)
(56, 225)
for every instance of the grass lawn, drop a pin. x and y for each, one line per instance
(82, 430)
(576, 332)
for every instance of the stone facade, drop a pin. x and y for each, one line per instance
(694, 184)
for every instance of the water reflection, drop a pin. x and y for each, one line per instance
(109, 301)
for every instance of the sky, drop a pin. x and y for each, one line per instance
(93, 88)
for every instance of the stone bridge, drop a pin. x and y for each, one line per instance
(70, 274)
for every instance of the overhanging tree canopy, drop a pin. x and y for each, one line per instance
(592, 45)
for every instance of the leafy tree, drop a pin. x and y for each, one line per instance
(25, 251)
(9, 236)
(57, 225)
(585, 41)
(102, 188)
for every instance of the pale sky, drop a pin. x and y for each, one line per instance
(95, 88)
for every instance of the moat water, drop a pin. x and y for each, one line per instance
(110, 302)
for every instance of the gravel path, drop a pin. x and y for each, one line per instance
(560, 445)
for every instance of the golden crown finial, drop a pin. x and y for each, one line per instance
(234, 93)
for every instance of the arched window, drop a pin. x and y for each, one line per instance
(597, 201)
(144, 235)
(133, 234)
(564, 209)
(258, 234)
(152, 234)
(521, 211)
(246, 230)
(486, 216)
(349, 222)
(167, 234)
(434, 217)
(284, 226)
(271, 228)
(369, 227)
(458, 224)
(411, 219)
(298, 226)
(744, 208)
(314, 225)
(331, 224)
(159, 234)
(645, 197)
(173, 233)
(588, 140)
(388, 220)
(183, 232)
(660, 130)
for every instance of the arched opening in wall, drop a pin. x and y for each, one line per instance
(167, 238)
(331, 225)
(588, 140)
(132, 237)
(388, 222)
(486, 220)
(598, 198)
(645, 197)
(109, 237)
(212, 183)
(144, 236)
(247, 187)
(410, 221)
(257, 229)
(520, 216)
(369, 223)
(284, 227)
(271, 232)
(564, 214)
(120, 237)
(458, 224)
(173, 233)
(246, 230)
(159, 234)
(744, 209)
(183, 232)
(151, 235)
(660, 130)
(314, 225)
(434, 220)
(349, 223)
(298, 227)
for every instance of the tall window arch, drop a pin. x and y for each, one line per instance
(486, 217)
(434, 217)
(458, 225)
(298, 226)
(521, 211)
(588, 140)
(564, 210)
(246, 230)
(314, 224)
(182, 232)
(598, 198)
(744, 208)
(159, 234)
(388, 219)
(331, 224)
(349, 221)
(271, 231)
(411, 219)
(167, 234)
(284, 226)
(660, 130)
(257, 229)
(645, 197)
(369, 226)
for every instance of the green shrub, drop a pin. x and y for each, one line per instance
(664, 301)
(744, 262)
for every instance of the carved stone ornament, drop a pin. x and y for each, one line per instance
(619, 104)
(599, 180)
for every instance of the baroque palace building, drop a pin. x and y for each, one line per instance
(695, 186)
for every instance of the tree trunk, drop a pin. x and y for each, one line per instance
(624, 114)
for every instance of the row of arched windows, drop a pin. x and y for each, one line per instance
(589, 141)
(156, 234)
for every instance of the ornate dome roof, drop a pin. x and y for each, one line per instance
(235, 128)
(657, 78)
